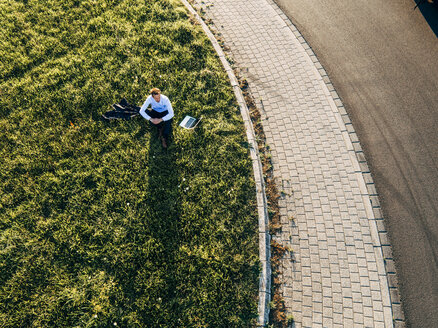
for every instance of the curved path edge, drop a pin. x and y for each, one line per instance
(375, 211)
(262, 207)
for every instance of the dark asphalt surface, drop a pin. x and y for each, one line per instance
(382, 57)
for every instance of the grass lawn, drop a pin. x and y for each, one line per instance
(99, 226)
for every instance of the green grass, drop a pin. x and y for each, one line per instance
(98, 224)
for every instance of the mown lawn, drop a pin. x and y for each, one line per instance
(98, 225)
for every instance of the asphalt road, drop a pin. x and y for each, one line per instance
(382, 57)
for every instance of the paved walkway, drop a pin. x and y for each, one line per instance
(335, 276)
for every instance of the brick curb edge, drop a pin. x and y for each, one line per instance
(262, 204)
(398, 314)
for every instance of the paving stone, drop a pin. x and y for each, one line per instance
(378, 316)
(392, 280)
(395, 295)
(348, 322)
(367, 311)
(367, 300)
(307, 322)
(338, 318)
(307, 311)
(317, 319)
(357, 298)
(347, 302)
(387, 252)
(358, 319)
(316, 308)
(327, 312)
(327, 322)
(379, 324)
(368, 322)
(377, 306)
(355, 287)
(399, 324)
(397, 312)
(387, 314)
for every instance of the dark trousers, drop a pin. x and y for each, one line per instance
(166, 126)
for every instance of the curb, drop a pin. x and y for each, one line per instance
(262, 204)
(374, 210)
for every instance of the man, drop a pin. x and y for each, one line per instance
(161, 114)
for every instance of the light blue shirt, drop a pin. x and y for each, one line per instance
(161, 106)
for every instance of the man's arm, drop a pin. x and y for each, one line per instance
(169, 109)
(143, 108)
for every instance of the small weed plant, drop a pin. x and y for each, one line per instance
(99, 226)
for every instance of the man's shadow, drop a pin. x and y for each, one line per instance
(430, 13)
(164, 208)
(150, 282)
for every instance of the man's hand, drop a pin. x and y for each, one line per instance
(156, 120)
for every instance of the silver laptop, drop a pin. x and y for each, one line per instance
(190, 122)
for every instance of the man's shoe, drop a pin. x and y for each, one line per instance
(164, 142)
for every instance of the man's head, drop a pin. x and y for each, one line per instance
(155, 92)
